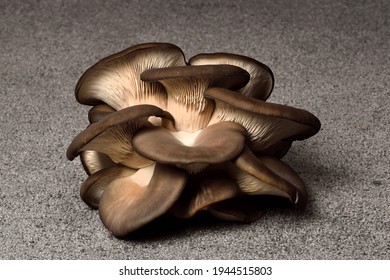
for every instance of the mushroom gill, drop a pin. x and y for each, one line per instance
(171, 137)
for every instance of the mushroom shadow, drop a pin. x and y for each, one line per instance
(168, 226)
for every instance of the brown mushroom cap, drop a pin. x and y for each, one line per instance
(115, 80)
(112, 135)
(287, 174)
(214, 144)
(261, 80)
(264, 175)
(267, 124)
(130, 202)
(93, 187)
(185, 86)
(137, 47)
(226, 76)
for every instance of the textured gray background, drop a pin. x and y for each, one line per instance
(329, 57)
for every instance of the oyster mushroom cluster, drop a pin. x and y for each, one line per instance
(167, 136)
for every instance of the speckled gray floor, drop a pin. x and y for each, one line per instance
(329, 57)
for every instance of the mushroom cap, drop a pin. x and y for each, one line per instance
(227, 76)
(115, 80)
(261, 80)
(266, 123)
(93, 187)
(127, 115)
(142, 46)
(267, 175)
(214, 144)
(130, 202)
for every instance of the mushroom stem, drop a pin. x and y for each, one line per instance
(192, 114)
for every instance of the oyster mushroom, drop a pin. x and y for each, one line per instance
(115, 80)
(171, 137)
(264, 175)
(112, 136)
(93, 187)
(267, 124)
(261, 82)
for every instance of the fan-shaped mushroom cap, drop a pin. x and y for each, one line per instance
(185, 87)
(112, 135)
(93, 187)
(115, 79)
(214, 144)
(261, 80)
(264, 175)
(227, 76)
(267, 124)
(130, 202)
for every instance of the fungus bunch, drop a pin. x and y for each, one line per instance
(167, 136)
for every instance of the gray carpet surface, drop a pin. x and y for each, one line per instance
(331, 58)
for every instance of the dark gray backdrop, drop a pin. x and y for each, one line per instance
(328, 57)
